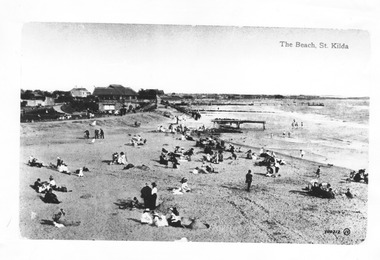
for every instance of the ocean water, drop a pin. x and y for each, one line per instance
(336, 133)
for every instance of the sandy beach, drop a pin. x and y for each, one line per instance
(276, 210)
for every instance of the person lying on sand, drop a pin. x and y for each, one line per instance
(62, 166)
(132, 204)
(34, 162)
(80, 171)
(210, 169)
(135, 143)
(175, 219)
(146, 217)
(60, 218)
(198, 170)
(41, 187)
(159, 220)
(184, 187)
(359, 176)
(195, 224)
(321, 190)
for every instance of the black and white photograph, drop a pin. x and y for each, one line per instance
(194, 134)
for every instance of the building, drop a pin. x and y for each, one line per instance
(79, 92)
(114, 97)
(38, 101)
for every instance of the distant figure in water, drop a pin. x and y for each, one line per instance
(302, 153)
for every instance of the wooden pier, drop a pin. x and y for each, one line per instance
(237, 122)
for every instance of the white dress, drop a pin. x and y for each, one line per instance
(146, 218)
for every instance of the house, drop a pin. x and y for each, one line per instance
(79, 92)
(114, 97)
(38, 101)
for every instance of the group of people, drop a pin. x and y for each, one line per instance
(184, 188)
(359, 176)
(172, 219)
(47, 187)
(159, 220)
(318, 189)
(119, 158)
(149, 195)
(98, 134)
(205, 169)
(271, 162)
(62, 166)
(34, 162)
(295, 124)
(174, 157)
(137, 140)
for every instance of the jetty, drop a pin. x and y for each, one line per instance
(237, 122)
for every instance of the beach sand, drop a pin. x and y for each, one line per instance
(276, 210)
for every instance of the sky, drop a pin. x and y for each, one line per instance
(193, 59)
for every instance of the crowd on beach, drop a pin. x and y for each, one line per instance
(214, 151)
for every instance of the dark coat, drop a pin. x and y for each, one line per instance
(248, 178)
(146, 192)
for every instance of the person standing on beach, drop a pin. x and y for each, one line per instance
(318, 172)
(248, 180)
(101, 134)
(146, 193)
(87, 134)
(276, 167)
(153, 197)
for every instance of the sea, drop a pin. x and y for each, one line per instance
(329, 131)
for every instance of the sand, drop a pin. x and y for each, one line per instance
(276, 210)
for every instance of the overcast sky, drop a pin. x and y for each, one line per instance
(193, 59)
